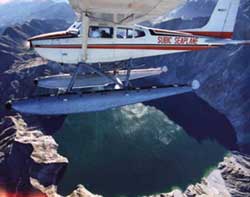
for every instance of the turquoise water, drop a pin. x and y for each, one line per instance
(132, 151)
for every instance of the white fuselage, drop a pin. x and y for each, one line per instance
(64, 47)
(81, 42)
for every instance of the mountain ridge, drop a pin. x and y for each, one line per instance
(26, 11)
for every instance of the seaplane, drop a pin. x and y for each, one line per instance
(107, 32)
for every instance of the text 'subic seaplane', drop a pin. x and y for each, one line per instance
(104, 35)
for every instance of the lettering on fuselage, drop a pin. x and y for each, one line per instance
(177, 40)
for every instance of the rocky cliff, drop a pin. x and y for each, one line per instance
(18, 67)
(230, 179)
(39, 154)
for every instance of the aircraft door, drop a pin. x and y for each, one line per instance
(140, 41)
(100, 46)
(128, 42)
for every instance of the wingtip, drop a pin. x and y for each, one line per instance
(164, 69)
(195, 84)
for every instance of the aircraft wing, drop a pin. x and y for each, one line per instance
(124, 11)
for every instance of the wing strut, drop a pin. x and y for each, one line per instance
(115, 79)
(73, 78)
(99, 72)
(85, 32)
(130, 65)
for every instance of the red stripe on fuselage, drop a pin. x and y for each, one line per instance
(225, 35)
(132, 47)
(149, 47)
(58, 46)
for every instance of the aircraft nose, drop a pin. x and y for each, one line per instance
(30, 45)
(30, 41)
(35, 82)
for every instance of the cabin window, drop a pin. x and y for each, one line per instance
(130, 33)
(126, 33)
(100, 32)
(139, 33)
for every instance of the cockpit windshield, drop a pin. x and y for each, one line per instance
(75, 28)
